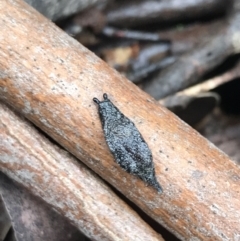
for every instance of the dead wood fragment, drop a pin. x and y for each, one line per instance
(51, 79)
(129, 34)
(185, 38)
(189, 68)
(135, 13)
(141, 73)
(68, 186)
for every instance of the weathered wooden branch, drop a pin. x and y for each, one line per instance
(51, 79)
(67, 185)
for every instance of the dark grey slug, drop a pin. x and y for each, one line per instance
(126, 143)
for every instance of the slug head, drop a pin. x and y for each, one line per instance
(107, 110)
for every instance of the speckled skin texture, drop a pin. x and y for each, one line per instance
(126, 143)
